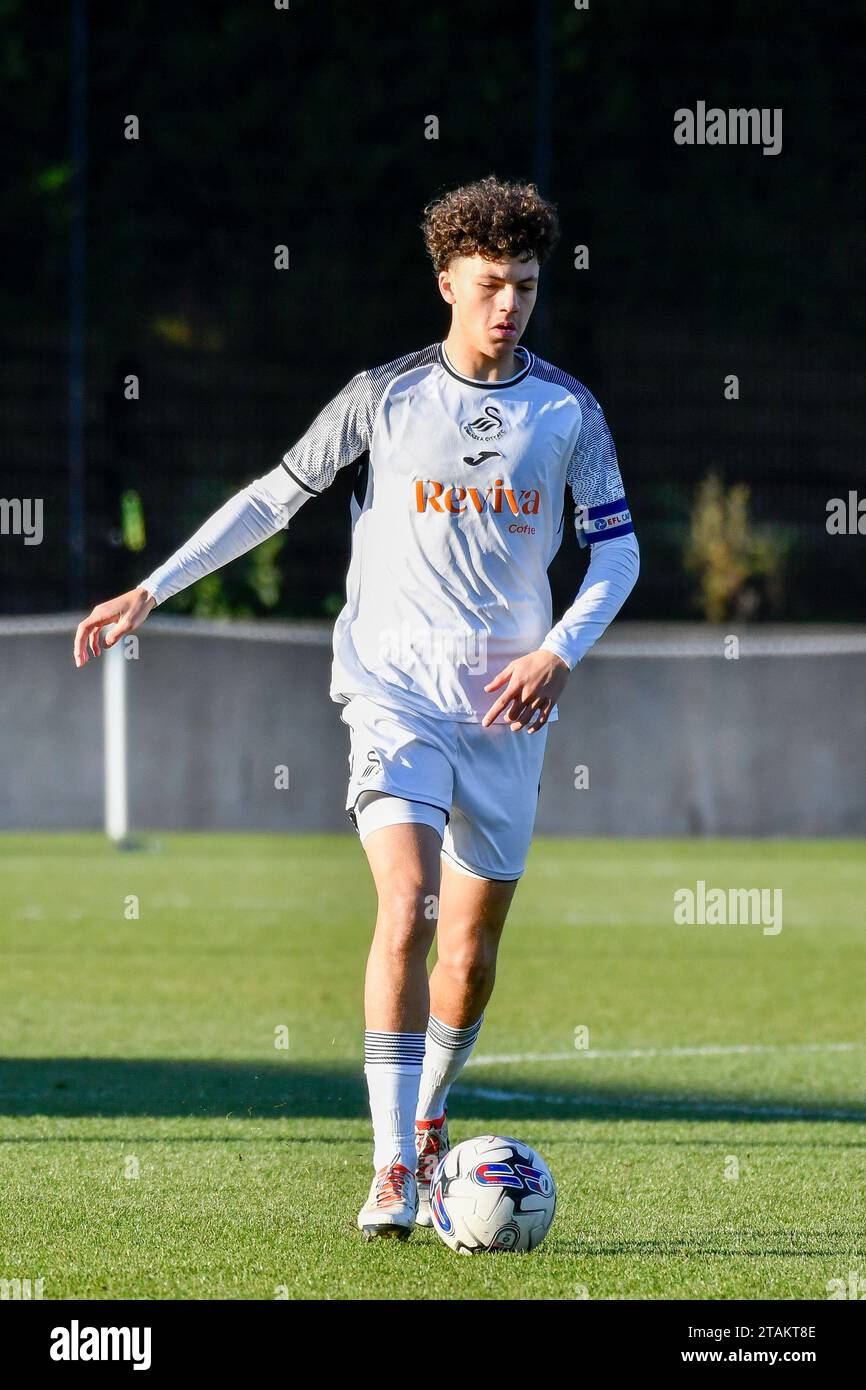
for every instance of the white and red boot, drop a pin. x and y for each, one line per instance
(431, 1146)
(392, 1205)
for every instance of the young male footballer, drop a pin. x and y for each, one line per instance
(446, 662)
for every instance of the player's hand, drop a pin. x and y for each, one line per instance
(128, 611)
(533, 684)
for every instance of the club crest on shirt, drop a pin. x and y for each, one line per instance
(488, 425)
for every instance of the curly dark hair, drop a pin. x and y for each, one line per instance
(490, 218)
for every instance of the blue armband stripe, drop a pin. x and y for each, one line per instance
(619, 504)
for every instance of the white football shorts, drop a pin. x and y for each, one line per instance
(486, 781)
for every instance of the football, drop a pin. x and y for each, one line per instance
(492, 1194)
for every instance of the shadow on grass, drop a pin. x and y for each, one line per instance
(97, 1086)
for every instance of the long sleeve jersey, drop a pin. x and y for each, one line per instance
(457, 511)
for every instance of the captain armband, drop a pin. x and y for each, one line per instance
(602, 523)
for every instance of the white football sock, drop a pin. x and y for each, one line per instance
(392, 1066)
(445, 1056)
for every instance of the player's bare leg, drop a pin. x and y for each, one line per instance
(472, 913)
(405, 863)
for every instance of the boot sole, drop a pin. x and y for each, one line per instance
(391, 1231)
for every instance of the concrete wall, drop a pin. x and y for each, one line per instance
(764, 745)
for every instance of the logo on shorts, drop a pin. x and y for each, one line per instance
(374, 764)
(488, 425)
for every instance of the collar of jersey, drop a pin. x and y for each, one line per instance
(485, 385)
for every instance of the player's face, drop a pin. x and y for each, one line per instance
(492, 300)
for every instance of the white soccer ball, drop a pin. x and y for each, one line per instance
(492, 1194)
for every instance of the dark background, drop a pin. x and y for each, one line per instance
(306, 127)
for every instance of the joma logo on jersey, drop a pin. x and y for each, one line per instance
(454, 497)
(488, 425)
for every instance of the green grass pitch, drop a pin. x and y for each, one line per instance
(155, 1142)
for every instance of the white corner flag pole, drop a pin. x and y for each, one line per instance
(114, 742)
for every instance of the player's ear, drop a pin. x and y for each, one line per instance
(445, 287)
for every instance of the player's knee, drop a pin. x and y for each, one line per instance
(471, 963)
(404, 924)
(402, 942)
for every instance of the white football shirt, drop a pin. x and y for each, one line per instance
(457, 513)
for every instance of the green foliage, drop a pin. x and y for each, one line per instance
(263, 575)
(333, 604)
(248, 589)
(739, 567)
(132, 520)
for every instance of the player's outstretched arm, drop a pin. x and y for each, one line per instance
(337, 436)
(247, 519)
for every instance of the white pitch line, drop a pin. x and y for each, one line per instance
(671, 1103)
(708, 1050)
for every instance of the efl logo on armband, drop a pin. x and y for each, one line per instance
(602, 523)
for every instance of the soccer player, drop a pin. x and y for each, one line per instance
(446, 662)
